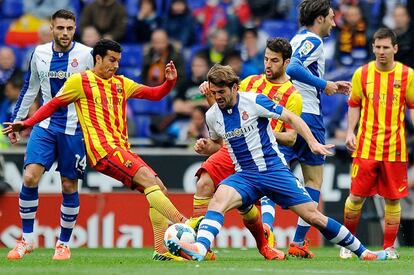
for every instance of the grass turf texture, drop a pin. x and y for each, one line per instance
(230, 261)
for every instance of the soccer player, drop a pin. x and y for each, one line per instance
(306, 70)
(242, 121)
(276, 86)
(100, 101)
(381, 90)
(58, 138)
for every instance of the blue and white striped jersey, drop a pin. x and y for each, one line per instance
(307, 47)
(48, 71)
(247, 133)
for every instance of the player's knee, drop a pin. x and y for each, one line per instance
(31, 179)
(205, 187)
(144, 178)
(69, 186)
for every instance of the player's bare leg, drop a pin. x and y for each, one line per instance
(28, 203)
(312, 176)
(204, 192)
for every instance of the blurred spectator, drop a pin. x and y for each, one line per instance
(352, 41)
(146, 20)
(252, 55)
(234, 60)
(45, 35)
(7, 68)
(160, 52)
(388, 7)
(405, 36)
(109, 18)
(212, 16)
(268, 9)
(239, 9)
(197, 128)
(218, 46)
(188, 95)
(11, 91)
(44, 9)
(90, 36)
(179, 23)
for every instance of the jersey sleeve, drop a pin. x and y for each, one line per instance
(268, 108)
(356, 93)
(409, 96)
(28, 92)
(308, 51)
(293, 104)
(210, 121)
(72, 90)
(131, 87)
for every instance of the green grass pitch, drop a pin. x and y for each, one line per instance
(230, 261)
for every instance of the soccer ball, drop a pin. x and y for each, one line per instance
(180, 232)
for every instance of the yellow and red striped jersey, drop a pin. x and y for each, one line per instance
(100, 106)
(382, 97)
(284, 94)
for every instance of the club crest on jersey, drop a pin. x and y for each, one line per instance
(277, 97)
(118, 88)
(128, 164)
(306, 48)
(397, 84)
(74, 63)
(245, 115)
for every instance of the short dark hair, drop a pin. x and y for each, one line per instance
(102, 47)
(382, 33)
(222, 76)
(65, 14)
(309, 10)
(280, 45)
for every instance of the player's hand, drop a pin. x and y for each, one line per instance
(350, 142)
(201, 146)
(344, 87)
(321, 149)
(14, 137)
(331, 88)
(13, 127)
(170, 71)
(204, 89)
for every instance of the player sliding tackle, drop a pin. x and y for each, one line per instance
(242, 121)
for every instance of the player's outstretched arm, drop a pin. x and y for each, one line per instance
(302, 128)
(44, 112)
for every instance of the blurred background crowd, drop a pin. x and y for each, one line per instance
(195, 34)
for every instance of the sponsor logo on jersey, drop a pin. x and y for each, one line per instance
(245, 115)
(238, 132)
(74, 63)
(54, 74)
(306, 48)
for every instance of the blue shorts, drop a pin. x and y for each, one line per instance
(300, 150)
(281, 186)
(45, 147)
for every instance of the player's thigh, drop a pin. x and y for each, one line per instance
(245, 185)
(41, 148)
(71, 156)
(225, 199)
(393, 181)
(364, 177)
